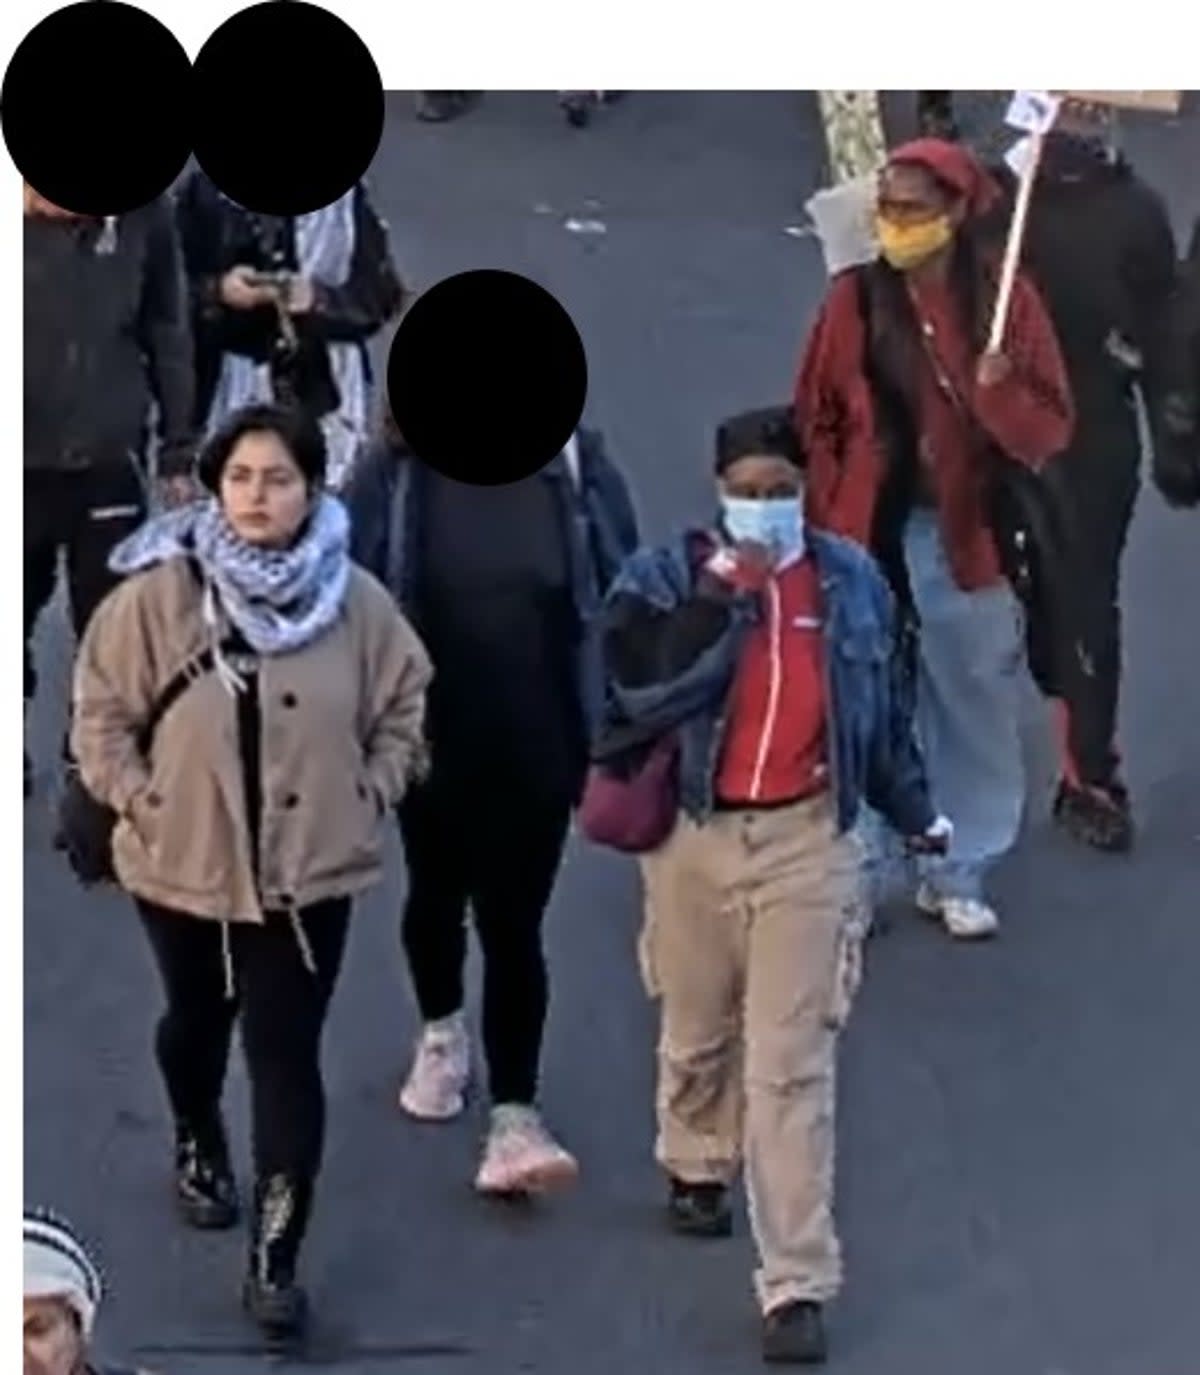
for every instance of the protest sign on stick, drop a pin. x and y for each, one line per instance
(1034, 112)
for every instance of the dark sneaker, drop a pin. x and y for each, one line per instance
(577, 106)
(1099, 817)
(699, 1210)
(795, 1335)
(439, 107)
(204, 1185)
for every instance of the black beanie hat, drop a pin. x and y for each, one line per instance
(298, 432)
(770, 430)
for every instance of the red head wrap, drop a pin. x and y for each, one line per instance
(955, 167)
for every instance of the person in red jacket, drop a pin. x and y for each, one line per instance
(897, 402)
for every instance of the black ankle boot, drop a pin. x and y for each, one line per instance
(204, 1185)
(272, 1297)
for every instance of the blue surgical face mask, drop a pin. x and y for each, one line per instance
(776, 523)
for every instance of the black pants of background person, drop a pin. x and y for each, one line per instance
(496, 849)
(83, 514)
(1101, 497)
(282, 1006)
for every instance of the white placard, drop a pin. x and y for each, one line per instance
(1033, 112)
(1018, 156)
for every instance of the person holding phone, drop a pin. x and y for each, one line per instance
(767, 650)
(283, 309)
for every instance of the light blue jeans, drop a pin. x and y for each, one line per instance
(972, 663)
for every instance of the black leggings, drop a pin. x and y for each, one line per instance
(282, 1006)
(501, 858)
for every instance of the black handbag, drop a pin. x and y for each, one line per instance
(1032, 534)
(85, 824)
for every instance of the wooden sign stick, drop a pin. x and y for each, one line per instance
(1016, 237)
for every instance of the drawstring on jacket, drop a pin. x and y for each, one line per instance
(306, 951)
(227, 962)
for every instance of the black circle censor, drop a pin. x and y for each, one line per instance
(289, 107)
(96, 108)
(487, 377)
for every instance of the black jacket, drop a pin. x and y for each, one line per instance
(1177, 415)
(1100, 248)
(217, 235)
(106, 334)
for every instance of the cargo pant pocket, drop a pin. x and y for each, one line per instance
(847, 979)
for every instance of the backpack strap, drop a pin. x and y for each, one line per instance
(196, 667)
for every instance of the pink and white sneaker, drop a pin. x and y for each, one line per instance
(521, 1157)
(437, 1083)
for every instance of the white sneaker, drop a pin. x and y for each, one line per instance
(437, 1083)
(521, 1157)
(966, 919)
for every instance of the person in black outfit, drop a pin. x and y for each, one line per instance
(1107, 292)
(288, 694)
(1176, 410)
(106, 338)
(503, 584)
(283, 309)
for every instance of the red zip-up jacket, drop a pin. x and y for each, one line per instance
(1030, 415)
(774, 748)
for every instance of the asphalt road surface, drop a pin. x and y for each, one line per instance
(1020, 1128)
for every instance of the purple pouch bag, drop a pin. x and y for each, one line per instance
(633, 810)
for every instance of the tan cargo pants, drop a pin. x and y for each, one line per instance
(749, 943)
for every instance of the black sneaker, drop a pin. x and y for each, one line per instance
(699, 1210)
(1099, 817)
(440, 107)
(205, 1189)
(577, 106)
(795, 1335)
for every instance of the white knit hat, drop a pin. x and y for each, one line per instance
(58, 1267)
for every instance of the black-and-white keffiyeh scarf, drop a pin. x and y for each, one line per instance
(279, 599)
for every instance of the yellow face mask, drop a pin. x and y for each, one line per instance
(905, 246)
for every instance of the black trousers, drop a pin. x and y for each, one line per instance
(83, 513)
(282, 1005)
(1100, 492)
(497, 852)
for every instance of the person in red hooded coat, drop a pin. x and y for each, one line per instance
(899, 403)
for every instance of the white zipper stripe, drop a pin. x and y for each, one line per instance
(773, 695)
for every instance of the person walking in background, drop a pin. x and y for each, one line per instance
(901, 408)
(63, 1292)
(503, 584)
(283, 309)
(1108, 296)
(765, 650)
(106, 339)
(284, 695)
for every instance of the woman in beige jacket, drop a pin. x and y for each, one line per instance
(284, 695)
